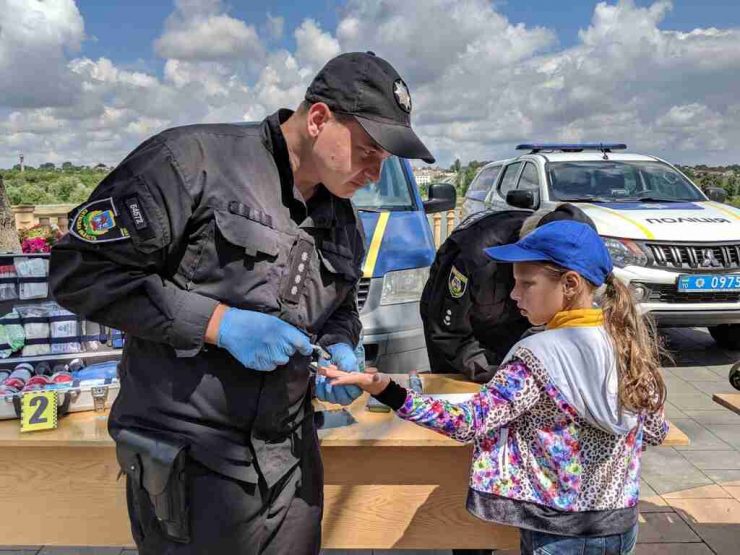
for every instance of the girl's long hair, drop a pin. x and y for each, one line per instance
(637, 352)
(636, 348)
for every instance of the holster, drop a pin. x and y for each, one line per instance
(157, 465)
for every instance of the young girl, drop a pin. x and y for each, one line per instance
(559, 430)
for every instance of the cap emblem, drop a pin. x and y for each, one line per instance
(401, 92)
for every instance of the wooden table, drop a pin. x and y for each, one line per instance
(389, 484)
(728, 400)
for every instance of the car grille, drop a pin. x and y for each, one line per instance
(667, 293)
(703, 257)
(362, 289)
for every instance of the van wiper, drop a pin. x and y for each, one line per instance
(588, 198)
(363, 209)
(648, 199)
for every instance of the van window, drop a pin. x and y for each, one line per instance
(530, 178)
(391, 192)
(485, 180)
(508, 181)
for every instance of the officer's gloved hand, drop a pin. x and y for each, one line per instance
(343, 357)
(260, 341)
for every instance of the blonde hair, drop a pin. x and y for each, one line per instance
(636, 348)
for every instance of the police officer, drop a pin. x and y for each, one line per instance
(224, 252)
(470, 321)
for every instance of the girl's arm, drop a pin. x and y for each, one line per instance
(511, 392)
(654, 428)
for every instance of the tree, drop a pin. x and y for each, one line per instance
(9, 241)
(66, 166)
(47, 166)
(455, 167)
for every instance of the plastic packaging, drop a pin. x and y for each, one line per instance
(8, 291)
(33, 268)
(35, 329)
(100, 370)
(16, 336)
(64, 324)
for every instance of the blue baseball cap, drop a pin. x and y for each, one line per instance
(572, 245)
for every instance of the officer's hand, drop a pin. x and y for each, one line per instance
(343, 357)
(260, 341)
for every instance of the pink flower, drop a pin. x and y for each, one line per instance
(35, 244)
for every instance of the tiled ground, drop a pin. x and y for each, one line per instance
(690, 495)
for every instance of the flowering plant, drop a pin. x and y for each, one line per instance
(39, 238)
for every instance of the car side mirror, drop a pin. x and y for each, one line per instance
(442, 197)
(528, 199)
(717, 194)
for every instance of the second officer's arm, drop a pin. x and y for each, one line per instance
(450, 327)
(117, 275)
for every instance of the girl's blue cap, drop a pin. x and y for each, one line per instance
(572, 245)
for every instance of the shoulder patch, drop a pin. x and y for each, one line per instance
(97, 222)
(457, 283)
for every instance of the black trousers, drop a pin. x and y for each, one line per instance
(229, 516)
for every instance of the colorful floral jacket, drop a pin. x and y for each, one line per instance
(531, 445)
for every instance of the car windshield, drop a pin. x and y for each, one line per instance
(391, 192)
(615, 181)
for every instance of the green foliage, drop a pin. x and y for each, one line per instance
(50, 186)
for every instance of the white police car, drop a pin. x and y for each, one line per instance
(678, 249)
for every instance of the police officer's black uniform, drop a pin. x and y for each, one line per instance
(470, 321)
(195, 216)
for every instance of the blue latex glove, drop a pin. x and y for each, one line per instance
(260, 341)
(343, 357)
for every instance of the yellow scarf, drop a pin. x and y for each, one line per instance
(579, 318)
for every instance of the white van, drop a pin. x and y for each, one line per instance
(677, 249)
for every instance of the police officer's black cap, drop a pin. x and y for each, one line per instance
(567, 212)
(367, 87)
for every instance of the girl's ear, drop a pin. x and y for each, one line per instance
(571, 282)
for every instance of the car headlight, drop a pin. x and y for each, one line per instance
(625, 252)
(404, 286)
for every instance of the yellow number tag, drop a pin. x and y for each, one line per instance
(38, 411)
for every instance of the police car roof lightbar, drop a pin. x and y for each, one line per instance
(574, 147)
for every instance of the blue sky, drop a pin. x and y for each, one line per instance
(87, 80)
(126, 30)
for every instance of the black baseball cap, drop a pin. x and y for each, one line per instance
(568, 212)
(365, 86)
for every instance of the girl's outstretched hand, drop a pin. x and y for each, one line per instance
(371, 380)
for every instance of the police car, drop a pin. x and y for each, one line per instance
(677, 248)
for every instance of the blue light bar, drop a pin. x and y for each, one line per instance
(572, 147)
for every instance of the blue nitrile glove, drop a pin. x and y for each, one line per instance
(260, 341)
(343, 357)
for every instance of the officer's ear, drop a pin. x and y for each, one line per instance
(318, 115)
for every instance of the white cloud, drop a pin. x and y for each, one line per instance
(35, 38)
(480, 82)
(199, 30)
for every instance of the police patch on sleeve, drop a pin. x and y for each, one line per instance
(97, 222)
(457, 283)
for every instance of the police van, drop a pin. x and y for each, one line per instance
(677, 248)
(400, 250)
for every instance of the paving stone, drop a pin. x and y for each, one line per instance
(723, 477)
(722, 371)
(717, 386)
(700, 438)
(678, 386)
(716, 521)
(672, 411)
(672, 549)
(664, 527)
(715, 460)
(666, 470)
(692, 401)
(730, 434)
(650, 501)
(720, 416)
(712, 491)
(694, 374)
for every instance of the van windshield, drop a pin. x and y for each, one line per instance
(617, 181)
(390, 192)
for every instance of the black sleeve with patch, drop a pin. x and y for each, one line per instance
(112, 266)
(469, 320)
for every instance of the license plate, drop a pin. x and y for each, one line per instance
(710, 282)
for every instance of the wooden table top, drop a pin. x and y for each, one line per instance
(89, 429)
